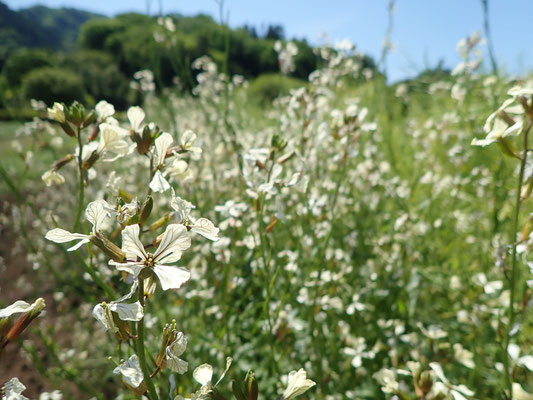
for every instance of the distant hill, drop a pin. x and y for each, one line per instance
(40, 26)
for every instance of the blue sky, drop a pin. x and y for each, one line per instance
(424, 31)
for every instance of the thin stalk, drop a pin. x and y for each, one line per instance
(141, 349)
(514, 266)
(486, 28)
(81, 189)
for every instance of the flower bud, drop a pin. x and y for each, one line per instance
(109, 248)
(146, 209)
(62, 162)
(251, 385)
(161, 222)
(127, 197)
(57, 112)
(25, 319)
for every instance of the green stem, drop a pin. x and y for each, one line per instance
(514, 266)
(140, 347)
(81, 189)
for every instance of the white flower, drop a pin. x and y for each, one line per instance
(57, 112)
(173, 351)
(104, 110)
(125, 311)
(202, 226)
(136, 116)
(96, 212)
(457, 391)
(52, 176)
(13, 389)
(131, 372)
(297, 385)
(174, 241)
(464, 356)
(112, 140)
(387, 379)
(187, 141)
(22, 307)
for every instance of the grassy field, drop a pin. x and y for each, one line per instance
(362, 238)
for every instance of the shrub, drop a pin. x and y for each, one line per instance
(267, 87)
(23, 61)
(51, 84)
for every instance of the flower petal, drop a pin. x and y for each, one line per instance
(171, 277)
(96, 213)
(175, 240)
(162, 144)
(127, 311)
(203, 374)
(159, 183)
(131, 245)
(134, 268)
(206, 228)
(58, 235)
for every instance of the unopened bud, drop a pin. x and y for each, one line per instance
(68, 129)
(146, 209)
(109, 248)
(528, 228)
(94, 133)
(426, 381)
(25, 319)
(64, 161)
(251, 386)
(89, 119)
(161, 222)
(91, 160)
(127, 197)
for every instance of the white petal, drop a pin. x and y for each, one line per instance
(100, 315)
(136, 116)
(187, 138)
(176, 364)
(203, 374)
(171, 277)
(206, 228)
(132, 267)
(175, 240)
(127, 311)
(104, 110)
(17, 307)
(159, 183)
(13, 390)
(58, 235)
(162, 144)
(131, 245)
(131, 371)
(526, 361)
(96, 213)
(438, 371)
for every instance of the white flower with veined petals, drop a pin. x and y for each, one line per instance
(173, 351)
(298, 384)
(175, 240)
(202, 226)
(136, 116)
(125, 311)
(131, 372)
(95, 213)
